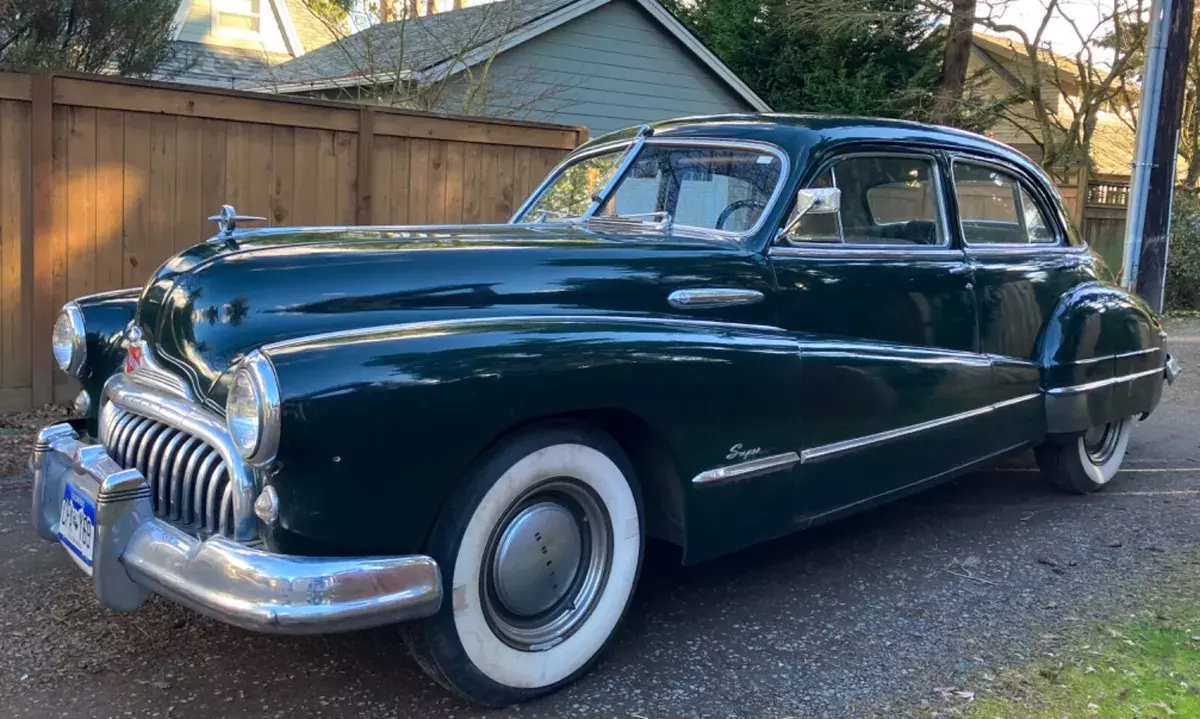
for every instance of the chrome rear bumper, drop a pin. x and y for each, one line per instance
(134, 554)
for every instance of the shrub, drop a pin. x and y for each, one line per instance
(1183, 259)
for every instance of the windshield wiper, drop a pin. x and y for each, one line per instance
(664, 218)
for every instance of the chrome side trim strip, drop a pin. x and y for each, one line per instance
(431, 325)
(1076, 389)
(1093, 360)
(705, 297)
(825, 451)
(1015, 400)
(745, 470)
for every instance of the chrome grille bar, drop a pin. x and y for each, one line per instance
(190, 482)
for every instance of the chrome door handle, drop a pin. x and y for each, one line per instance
(704, 297)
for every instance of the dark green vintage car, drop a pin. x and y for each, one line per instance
(713, 331)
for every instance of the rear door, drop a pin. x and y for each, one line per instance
(1022, 265)
(892, 382)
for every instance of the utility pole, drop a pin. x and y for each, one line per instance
(1148, 224)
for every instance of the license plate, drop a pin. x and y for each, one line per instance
(77, 525)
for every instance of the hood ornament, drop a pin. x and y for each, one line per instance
(228, 219)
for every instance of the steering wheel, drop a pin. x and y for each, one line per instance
(734, 207)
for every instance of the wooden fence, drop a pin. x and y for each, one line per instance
(102, 179)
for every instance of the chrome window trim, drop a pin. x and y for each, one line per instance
(438, 325)
(1098, 384)
(750, 468)
(634, 146)
(833, 449)
(867, 252)
(943, 226)
(1122, 355)
(1059, 239)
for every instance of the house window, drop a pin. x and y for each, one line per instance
(240, 17)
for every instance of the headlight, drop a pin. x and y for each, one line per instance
(252, 409)
(70, 349)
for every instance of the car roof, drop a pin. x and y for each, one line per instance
(799, 135)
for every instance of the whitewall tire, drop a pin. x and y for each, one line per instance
(540, 550)
(1090, 461)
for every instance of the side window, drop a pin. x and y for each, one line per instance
(995, 209)
(886, 200)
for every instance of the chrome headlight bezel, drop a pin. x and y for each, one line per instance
(74, 358)
(258, 375)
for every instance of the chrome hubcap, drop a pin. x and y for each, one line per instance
(1100, 442)
(547, 564)
(537, 558)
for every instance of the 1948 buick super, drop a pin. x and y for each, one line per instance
(714, 331)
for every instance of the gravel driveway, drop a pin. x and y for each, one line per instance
(864, 617)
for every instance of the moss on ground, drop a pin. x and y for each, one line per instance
(1146, 667)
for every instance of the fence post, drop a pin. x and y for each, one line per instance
(42, 158)
(366, 152)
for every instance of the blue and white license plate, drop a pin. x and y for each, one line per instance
(77, 525)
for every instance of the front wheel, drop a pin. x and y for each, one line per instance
(539, 551)
(1089, 462)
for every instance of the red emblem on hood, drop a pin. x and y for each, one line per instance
(134, 358)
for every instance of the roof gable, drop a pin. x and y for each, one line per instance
(430, 47)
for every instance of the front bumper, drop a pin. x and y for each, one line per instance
(134, 554)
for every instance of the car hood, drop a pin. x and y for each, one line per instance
(212, 304)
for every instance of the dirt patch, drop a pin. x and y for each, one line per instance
(17, 434)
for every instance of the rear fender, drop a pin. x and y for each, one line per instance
(379, 425)
(1101, 356)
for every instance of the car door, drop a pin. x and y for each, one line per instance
(880, 299)
(1022, 265)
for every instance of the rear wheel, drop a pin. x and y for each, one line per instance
(1089, 462)
(540, 551)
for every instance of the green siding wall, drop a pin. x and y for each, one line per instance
(611, 68)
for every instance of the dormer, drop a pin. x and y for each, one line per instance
(263, 25)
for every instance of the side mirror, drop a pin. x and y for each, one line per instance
(814, 201)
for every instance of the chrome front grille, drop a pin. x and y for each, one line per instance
(189, 480)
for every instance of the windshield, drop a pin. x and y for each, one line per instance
(706, 187)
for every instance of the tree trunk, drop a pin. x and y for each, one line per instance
(954, 63)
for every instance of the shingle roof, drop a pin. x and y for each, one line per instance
(216, 66)
(414, 44)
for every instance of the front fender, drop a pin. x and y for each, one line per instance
(1098, 354)
(105, 317)
(378, 426)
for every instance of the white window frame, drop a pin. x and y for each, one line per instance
(219, 8)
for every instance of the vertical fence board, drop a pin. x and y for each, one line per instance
(305, 165)
(189, 153)
(283, 175)
(381, 179)
(259, 174)
(45, 237)
(401, 181)
(435, 205)
(345, 150)
(505, 163)
(14, 339)
(138, 245)
(452, 208)
(81, 201)
(419, 179)
(161, 193)
(213, 152)
(326, 179)
(110, 199)
(471, 184)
